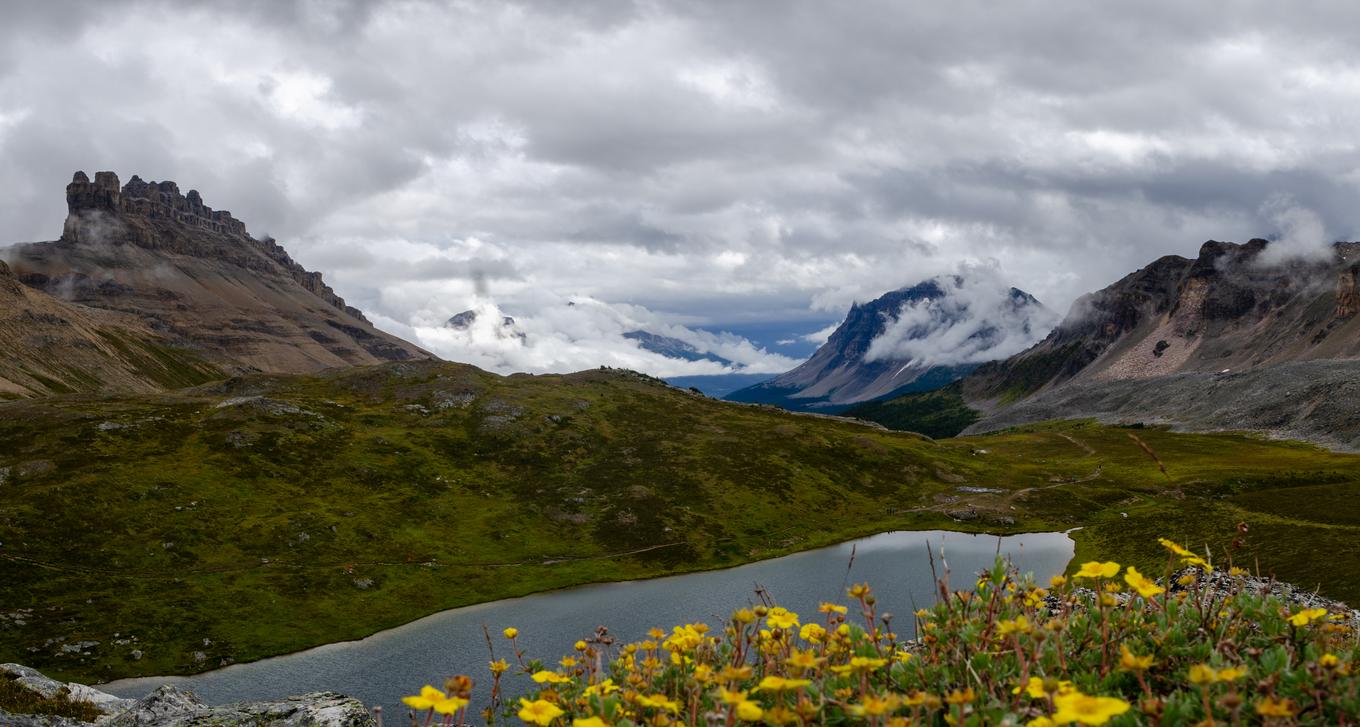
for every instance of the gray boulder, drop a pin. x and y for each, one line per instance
(169, 706)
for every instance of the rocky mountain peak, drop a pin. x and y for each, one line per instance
(149, 200)
(194, 275)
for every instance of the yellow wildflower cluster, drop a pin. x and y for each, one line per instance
(1005, 652)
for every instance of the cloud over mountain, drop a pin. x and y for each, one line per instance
(717, 163)
(976, 318)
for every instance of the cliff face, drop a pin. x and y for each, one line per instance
(195, 275)
(1232, 308)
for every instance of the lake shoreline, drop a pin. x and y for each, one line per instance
(892, 560)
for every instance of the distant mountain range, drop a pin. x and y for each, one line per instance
(918, 338)
(1240, 337)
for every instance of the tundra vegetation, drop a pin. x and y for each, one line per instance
(173, 533)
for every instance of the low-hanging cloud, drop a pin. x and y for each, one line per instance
(1302, 234)
(583, 333)
(976, 319)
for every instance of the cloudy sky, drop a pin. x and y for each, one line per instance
(751, 167)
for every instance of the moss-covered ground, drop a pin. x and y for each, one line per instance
(175, 533)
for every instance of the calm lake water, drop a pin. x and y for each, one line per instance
(385, 666)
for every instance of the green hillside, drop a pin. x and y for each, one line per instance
(268, 514)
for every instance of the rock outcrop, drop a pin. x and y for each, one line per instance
(195, 275)
(168, 706)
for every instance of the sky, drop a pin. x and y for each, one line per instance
(695, 167)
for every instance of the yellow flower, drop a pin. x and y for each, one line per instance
(731, 696)
(1085, 709)
(1202, 674)
(1129, 661)
(1175, 548)
(568, 662)
(1329, 661)
(540, 711)
(450, 705)
(860, 665)
(859, 590)
(1019, 625)
(780, 716)
(749, 711)
(1195, 560)
(589, 722)
(874, 706)
(1144, 585)
(1094, 569)
(781, 684)
(499, 666)
(1238, 572)
(1307, 616)
(604, 688)
(813, 632)
(511, 632)
(579, 646)
(550, 677)
(803, 660)
(961, 696)
(1057, 581)
(1230, 673)
(658, 701)
(1040, 722)
(782, 618)
(832, 608)
(425, 700)
(1034, 688)
(1274, 707)
(744, 616)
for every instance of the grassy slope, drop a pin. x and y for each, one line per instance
(254, 526)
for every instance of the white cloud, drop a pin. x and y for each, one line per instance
(715, 163)
(976, 320)
(583, 333)
(1301, 232)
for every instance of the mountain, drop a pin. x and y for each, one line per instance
(672, 347)
(506, 328)
(717, 386)
(914, 339)
(55, 347)
(1240, 337)
(195, 277)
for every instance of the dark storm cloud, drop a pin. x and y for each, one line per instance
(715, 161)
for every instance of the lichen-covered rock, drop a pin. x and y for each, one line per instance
(170, 706)
(36, 681)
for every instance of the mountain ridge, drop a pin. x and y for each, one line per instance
(1240, 318)
(197, 277)
(851, 368)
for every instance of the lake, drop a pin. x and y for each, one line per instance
(382, 668)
